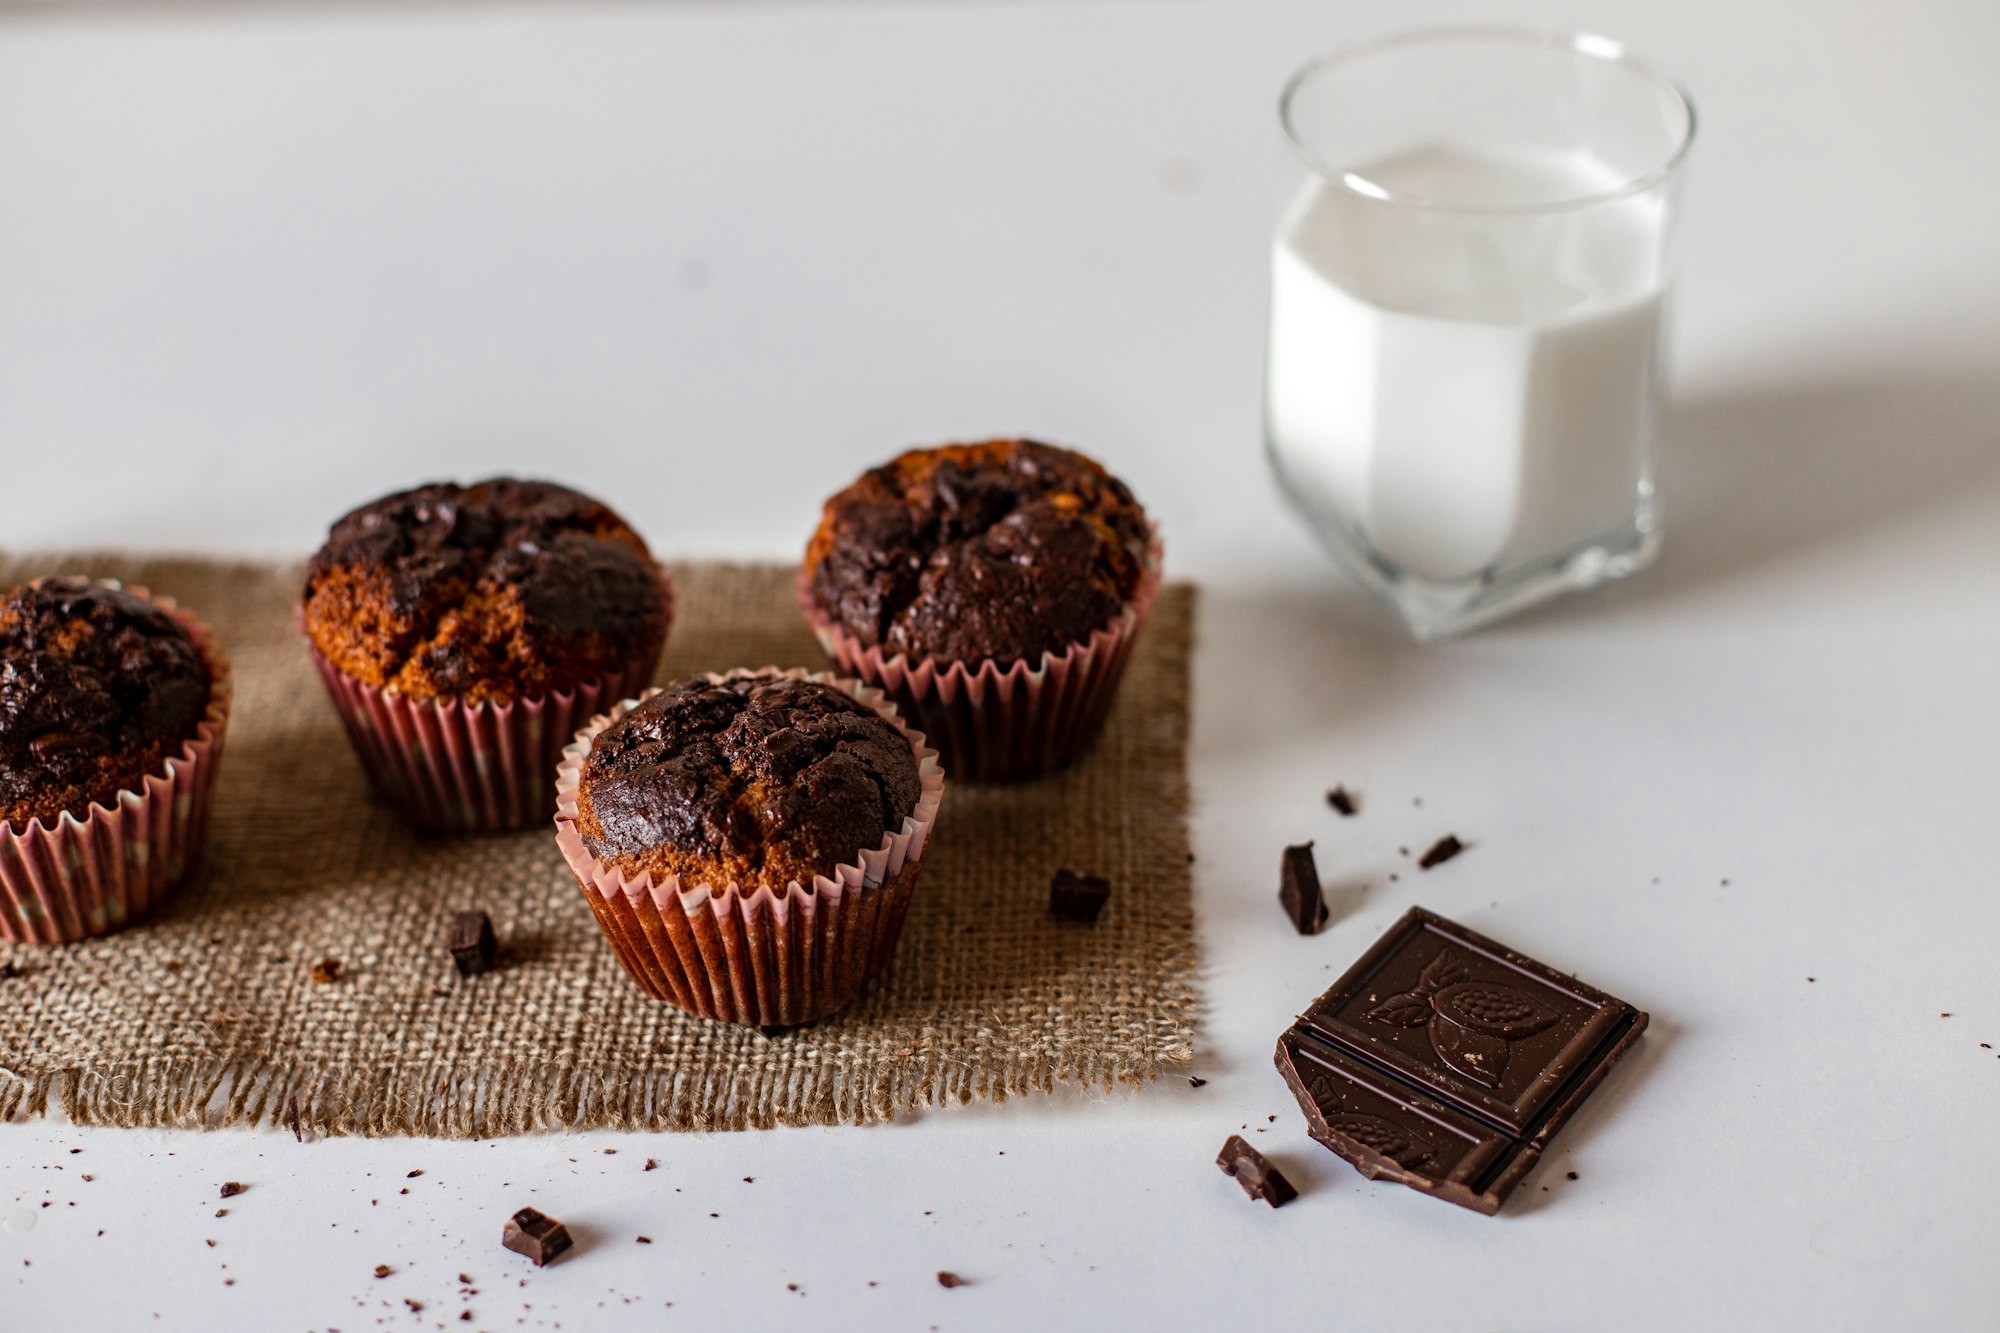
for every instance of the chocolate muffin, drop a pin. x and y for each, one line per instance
(758, 780)
(483, 594)
(99, 687)
(1005, 550)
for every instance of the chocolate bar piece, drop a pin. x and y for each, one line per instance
(1254, 1172)
(536, 1235)
(1079, 898)
(473, 947)
(1298, 889)
(1440, 851)
(1447, 1062)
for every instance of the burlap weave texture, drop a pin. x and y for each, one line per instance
(206, 1014)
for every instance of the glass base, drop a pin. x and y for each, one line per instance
(1433, 610)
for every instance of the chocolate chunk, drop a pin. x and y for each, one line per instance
(536, 1235)
(1447, 1062)
(1254, 1172)
(383, 1270)
(1298, 890)
(1197, 1082)
(1440, 851)
(950, 1279)
(1079, 898)
(325, 970)
(473, 947)
(232, 1188)
(1342, 800)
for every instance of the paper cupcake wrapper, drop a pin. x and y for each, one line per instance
(764, 957)
(90, 876)
(455, 767)
(993, 723)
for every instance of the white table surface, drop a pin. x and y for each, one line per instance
(258, 265)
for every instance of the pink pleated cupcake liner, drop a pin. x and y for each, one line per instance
(455, 767)
(995, 724)
(84, 877)
(763, 957)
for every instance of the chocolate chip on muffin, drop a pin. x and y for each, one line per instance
(486, 593)
(99, 687)
(1007, 549)
(757, 780)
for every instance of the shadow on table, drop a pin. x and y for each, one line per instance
(1771, 473)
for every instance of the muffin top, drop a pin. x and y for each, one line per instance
(484, 593)
(98, 689)
(1008, 549)
(759, 780)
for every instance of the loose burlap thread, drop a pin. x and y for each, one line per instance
(206, 1014)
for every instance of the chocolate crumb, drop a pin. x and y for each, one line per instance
(1809, 978)
(791, 1286)
(8, 971)
(645, 1240)
(1197, 1082)
(1254, 1172)
(1342, 800)
(325, 970)
(1440, 851)
(416, 1306)
(1299, 891)
(383, 1270)
(91, 1177)
(414, 1174)
(949, 1279)
(749, 1180)
(473, 946)
(222, 1212)
(1078, 898)
(1945, 1015)
(1571, 1174)
(465, 1316)
(211, 1243)
(231, 1188)
(651, 1164)
(535, 1234)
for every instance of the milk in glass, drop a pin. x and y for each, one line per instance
(1466, 392)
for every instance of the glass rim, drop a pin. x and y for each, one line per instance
(1604, 49)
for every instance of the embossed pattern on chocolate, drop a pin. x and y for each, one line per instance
(1446, 1061)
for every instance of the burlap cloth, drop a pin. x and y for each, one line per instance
(206, 1014)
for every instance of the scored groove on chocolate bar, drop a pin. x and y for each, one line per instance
(1447, 1061)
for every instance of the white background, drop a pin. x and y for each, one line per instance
(257, 265)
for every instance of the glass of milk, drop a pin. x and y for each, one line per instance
(1463, 377)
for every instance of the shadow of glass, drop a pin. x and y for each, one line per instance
(1761, 475)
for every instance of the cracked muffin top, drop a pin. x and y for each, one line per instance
(486, 593)
(1007, 549)
(758, 780)
(99, 687)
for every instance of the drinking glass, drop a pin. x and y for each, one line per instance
(1468, 290)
